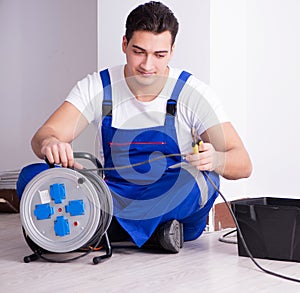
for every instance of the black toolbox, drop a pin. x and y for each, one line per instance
(270, 226)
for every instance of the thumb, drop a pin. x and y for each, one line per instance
(78, 166)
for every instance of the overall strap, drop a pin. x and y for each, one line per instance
(172, 102)
(107, 93)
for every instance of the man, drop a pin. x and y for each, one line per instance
(144, 109)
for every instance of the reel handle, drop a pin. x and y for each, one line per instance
(87, 156)
(90, 157)
(50, 165)
(80, 155)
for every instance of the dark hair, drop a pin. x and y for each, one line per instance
(153, 17)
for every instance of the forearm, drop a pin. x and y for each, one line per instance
(54, 137)
(222, 151)
(233, 164)
(43, 137)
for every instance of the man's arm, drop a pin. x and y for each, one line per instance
(222, 151)
(54, 137)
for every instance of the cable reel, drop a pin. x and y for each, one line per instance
(65, 210)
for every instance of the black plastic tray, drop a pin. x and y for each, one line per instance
(270, 226)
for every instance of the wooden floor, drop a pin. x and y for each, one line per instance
(203, 265)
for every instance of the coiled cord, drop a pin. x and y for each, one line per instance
(106, 208)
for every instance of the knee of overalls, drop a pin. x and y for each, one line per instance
(26, 174)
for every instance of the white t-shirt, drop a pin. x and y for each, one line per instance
(197, 105)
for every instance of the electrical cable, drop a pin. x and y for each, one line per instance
(242, 237)
(224, 199)
(136, 164)
(224, 238)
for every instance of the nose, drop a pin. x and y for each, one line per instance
(147, 63)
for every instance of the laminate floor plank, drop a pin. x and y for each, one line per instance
(203, 265)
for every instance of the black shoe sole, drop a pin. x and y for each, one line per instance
(170, 236)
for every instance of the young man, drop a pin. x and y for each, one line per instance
(144, 109)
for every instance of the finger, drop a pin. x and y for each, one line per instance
(205, 167)
(55, 153)
(201, 161)
(66, 155)
(198, 157)
(77, 165)
(205, 163)
(48, 154)
(205, 160)
(63, 158)
(205, 146)
(70, 157)
(192, 158)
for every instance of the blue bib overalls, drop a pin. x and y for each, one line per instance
(149, 194)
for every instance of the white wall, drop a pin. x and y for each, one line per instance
(228, 72)
(274, 101)
(192, 44)
(247, 49)
(255, 67)
(45, 47)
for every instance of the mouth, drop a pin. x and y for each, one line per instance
(146, 74)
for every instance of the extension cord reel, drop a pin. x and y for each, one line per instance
(63, 210)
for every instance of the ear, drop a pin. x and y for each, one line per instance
(124, 44)
(172, 50)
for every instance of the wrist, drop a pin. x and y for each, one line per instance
(219, 164)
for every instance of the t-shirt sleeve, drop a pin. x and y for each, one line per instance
(86, 96)
(200, 107)
(212, 110)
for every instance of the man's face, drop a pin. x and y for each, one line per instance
(147, 55)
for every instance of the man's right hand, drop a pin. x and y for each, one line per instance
(53, 139)
(58, 152)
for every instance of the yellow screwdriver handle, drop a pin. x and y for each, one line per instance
(196, 147)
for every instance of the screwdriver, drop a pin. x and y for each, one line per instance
(196, 141)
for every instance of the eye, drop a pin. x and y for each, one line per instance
(138, 52)
(160, 56)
